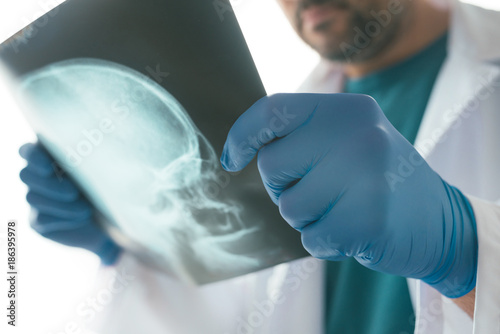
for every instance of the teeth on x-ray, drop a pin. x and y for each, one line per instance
(153, 187)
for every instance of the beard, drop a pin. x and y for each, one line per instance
(357, 40)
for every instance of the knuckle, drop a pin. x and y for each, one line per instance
(369, 100)
(363, 101)
(377, 136)
(361, 109)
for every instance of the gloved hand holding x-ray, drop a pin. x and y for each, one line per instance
(344, 177)
(62, 213)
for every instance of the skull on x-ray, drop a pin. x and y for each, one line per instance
(138, 156)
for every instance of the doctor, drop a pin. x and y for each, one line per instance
(343, 173)
(326, 169)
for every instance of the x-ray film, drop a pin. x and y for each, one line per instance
(134, 100)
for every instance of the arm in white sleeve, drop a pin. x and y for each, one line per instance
(487, 309)
(439, 315)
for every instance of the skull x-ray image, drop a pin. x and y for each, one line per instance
(134, 100)
(156, 184)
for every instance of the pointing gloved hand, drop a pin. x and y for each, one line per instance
(61, 211)
(353, 186)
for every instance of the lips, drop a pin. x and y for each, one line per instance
(316, 16)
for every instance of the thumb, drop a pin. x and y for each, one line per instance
(270, 118)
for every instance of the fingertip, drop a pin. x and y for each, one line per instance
(229, 166)
(226, 158)
(22, 175)
(26, 176)
(223, 159)
(37, 158)
(228, 163)
(34, 199)
(25, 149)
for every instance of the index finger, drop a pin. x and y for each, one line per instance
(38, 159)
(270, 118)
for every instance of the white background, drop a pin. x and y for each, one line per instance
(54, 279)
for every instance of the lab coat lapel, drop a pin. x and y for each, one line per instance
(459, 90)
(466, 77)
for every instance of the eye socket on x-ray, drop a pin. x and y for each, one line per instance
(137, 154)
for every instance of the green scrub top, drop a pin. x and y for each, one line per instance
(359, 300)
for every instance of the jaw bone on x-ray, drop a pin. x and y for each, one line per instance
(134, 100)
(157, 155)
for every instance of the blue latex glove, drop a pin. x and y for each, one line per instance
(61, 212)
(345, 178)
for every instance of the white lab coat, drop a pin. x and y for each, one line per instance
(459, 137)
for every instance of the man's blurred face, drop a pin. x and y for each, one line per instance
(346, 30)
